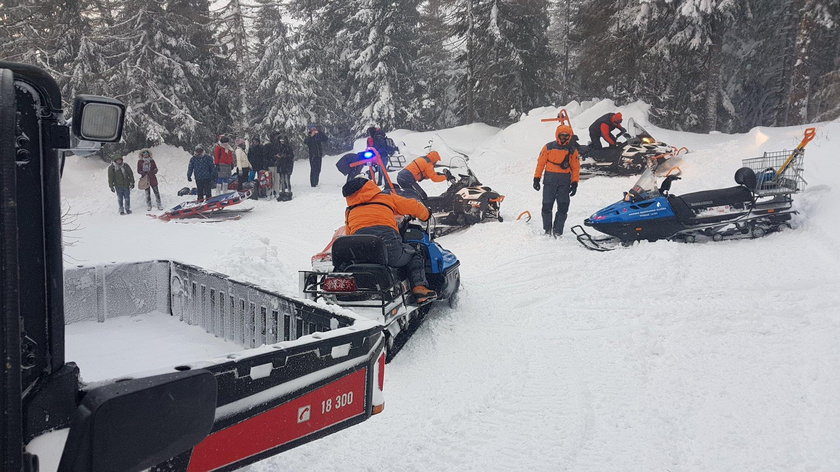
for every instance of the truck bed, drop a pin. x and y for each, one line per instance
(137, 343)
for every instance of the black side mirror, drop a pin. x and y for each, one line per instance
(98, 119)
(135, 424)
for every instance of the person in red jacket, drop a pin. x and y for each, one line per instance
(147, 169)
(371, 211)
(224, 161)
(559, 168)
(603, 128)
(420, 169)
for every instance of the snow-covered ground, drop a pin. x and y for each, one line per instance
(662, 356)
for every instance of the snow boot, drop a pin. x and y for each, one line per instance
(423, 294)
(127, 212)
(122, 212)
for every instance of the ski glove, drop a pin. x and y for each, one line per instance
(113, 190)
(536, 183)
(573, 189)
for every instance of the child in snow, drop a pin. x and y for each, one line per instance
(121, 181)
(147, 169)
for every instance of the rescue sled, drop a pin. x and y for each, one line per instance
(207, 209)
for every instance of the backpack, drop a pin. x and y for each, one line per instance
(380, 142)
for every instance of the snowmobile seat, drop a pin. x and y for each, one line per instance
(358, 249)
(719, 197)
(603, 154)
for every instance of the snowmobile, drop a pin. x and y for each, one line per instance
(632, 157)
(360, 280)
(760, 204)
(465, 203)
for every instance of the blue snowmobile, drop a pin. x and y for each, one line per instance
(760, 204)
(362, 281)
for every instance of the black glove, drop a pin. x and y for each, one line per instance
(536, 183)
(626, 134)
(448, 175)
(189, 179)
(573, 189)
(113, 189)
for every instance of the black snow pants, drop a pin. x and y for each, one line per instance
(400, 254)
(556, 188)
(314, 170)
(412, 189)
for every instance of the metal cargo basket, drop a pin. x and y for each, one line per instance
(780, 172)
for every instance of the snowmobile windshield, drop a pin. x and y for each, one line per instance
(645, 187)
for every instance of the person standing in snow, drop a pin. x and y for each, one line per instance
(224, 161)
(242, 162)
(147, 169)
(285, 160)
(371, 211)
(315, 142)
(420, 169)
(603, 128)
(256, 154)
(121, 181)
(561, 162)
(205, 171)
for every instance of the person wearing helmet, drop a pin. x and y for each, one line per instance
(201, 164)
(420, 169)
(559, 169)
(603, 128)
(371, 211)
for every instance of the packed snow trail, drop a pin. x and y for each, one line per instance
(662, 356)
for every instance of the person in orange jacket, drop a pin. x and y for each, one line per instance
(419, 169)
(603, 128)
(371, 211)
(561, 162)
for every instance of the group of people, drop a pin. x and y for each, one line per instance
(252, 160)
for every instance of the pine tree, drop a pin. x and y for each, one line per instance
(507, 66)
(278, 89)
(383, 50)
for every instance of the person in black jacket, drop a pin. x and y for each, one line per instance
(315, 142)
(603, 128)
(284, 157)
(256, 154)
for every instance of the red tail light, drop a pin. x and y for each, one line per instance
(339, 284)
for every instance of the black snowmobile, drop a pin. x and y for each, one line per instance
(760, 204)
(631, 157)
(465, 203)
(361, 280)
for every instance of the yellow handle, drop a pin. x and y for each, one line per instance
(809, 135)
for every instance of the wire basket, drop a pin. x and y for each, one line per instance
(777, 173)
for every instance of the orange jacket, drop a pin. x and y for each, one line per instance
(424, 168)
(368, 206)
(561, 158)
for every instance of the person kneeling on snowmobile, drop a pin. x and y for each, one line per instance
(561, 162)
(419, 169)
(603, 128)
(371, 211)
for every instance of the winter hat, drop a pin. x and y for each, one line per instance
(118, 159)
(354, 185)
(240, 141)
(433, 156)
(198, 147)
(256, 139)
(145, 152)
(371, 131)
(224, 139)
(563, 129)
(616, 118)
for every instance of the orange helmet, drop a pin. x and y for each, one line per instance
(616, 118)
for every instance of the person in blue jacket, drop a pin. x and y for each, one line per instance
(205, 172)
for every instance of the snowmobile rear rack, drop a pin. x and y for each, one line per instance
(781, 172)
